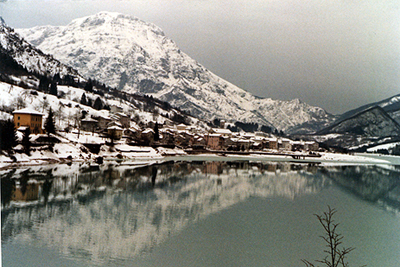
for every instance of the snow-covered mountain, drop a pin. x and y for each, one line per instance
(391, 105)
(373, 122)
(132, 55)
(29, 57)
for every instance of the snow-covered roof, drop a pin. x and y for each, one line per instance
(122, 115)
(258, 138)
(114, 117)
(115, 127)
(248, 135)
(104, 117)
(181, 126)
(134, 128)
(28, 111)
(148, 130)
(89, 120)
(114, 123)
(310, 142)
(222, 131)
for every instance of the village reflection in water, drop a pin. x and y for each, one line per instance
(106, 213)
(38, 184)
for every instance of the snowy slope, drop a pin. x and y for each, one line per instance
(29, 57)
(67, 108)
(127, 53)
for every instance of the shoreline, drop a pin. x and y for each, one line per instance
(151, 158)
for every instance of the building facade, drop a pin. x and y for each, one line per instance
(29, 118)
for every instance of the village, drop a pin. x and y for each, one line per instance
(118, 130)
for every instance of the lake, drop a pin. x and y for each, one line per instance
(196, 213)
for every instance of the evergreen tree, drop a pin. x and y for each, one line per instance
(67, 80)
(57, 78)
(98, 104)
(266, 129)
(156, 132)
(83, 99)
(113, 136)
(89, 86)
(44, 84)
(216, 122)
(26, 142)
(49, 125)
(8, 135)
(53, 89)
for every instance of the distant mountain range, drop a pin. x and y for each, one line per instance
(132, 55)
(137, 57)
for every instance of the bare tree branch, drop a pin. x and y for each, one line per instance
(335, 256)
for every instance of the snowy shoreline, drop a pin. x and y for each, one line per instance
(148, 155)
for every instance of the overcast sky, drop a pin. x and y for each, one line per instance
(336, 54)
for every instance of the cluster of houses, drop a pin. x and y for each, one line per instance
(224, 139)
(118, 125)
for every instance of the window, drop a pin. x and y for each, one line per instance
(18, 117)
(18, 123)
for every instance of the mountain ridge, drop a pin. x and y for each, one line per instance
(137, 57)
(391, 105)
(30, 58)
(372, 122)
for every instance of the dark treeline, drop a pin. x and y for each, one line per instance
(247, 127)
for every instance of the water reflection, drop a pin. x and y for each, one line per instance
(104, 214)
(372, 183)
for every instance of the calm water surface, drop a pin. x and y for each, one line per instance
(201, 213)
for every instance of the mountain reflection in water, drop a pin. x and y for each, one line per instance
(108, 213)
(371, 183)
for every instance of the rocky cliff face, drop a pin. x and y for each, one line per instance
(132, 55)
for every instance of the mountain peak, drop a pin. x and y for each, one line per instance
(110, 21)
(125, 52)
